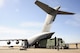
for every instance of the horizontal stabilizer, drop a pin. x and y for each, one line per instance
(63, 12)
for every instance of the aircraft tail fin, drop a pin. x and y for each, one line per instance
(50, 10)
(51, 14)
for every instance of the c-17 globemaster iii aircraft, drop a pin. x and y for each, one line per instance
(45, 34)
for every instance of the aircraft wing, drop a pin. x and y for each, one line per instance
(9, 40)
(12, 39)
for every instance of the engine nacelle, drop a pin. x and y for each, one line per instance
(17, 42)
(8, 42)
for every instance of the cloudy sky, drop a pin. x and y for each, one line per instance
(21, 19)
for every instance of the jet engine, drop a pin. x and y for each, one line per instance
(8, 42)
(17, 42)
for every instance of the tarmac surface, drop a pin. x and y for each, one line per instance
(37, 50)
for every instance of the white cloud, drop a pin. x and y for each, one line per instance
(2, 2)
(7, 32)
(75, 21)
(31, 24)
